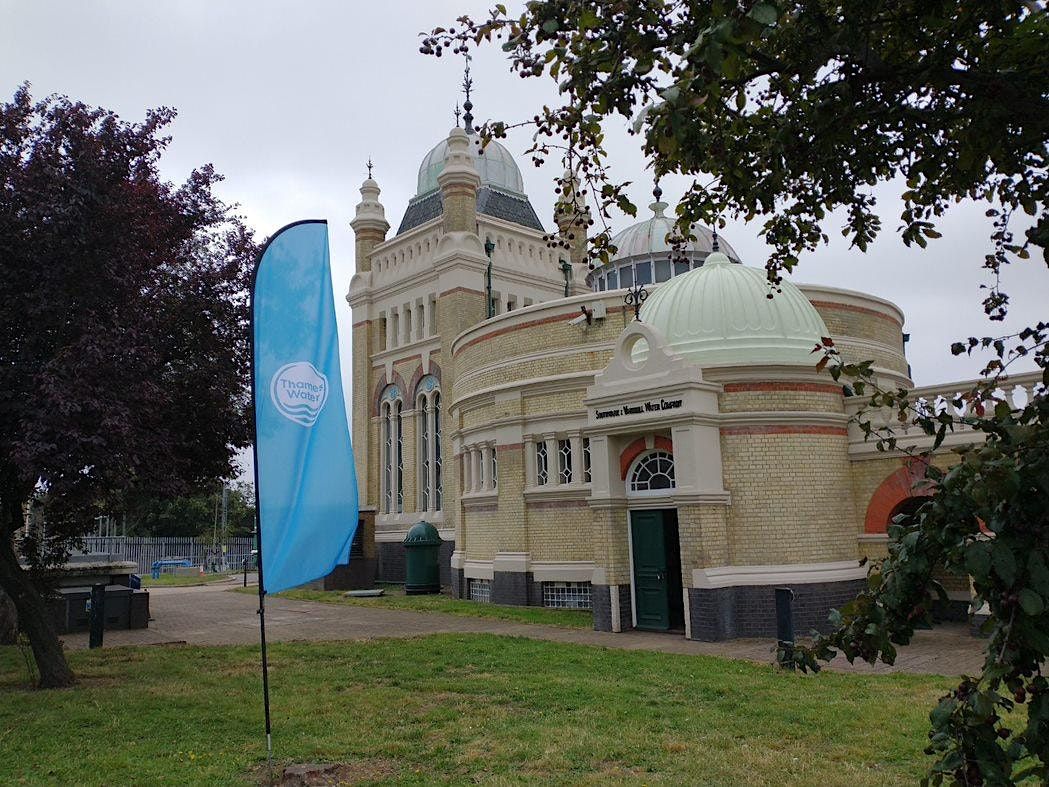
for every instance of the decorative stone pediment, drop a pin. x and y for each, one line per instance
(648, 385)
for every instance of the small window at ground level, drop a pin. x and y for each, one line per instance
(567, 595)
(479, 590)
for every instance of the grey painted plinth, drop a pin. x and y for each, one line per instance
(750, 611)
(601, 599)
(512, 587)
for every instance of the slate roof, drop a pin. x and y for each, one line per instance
(491, 202)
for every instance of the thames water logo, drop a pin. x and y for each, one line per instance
(299, 391)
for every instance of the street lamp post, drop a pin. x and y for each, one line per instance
(566, 271)
(489, 247)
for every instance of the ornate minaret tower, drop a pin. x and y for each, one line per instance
(573, 217)
(370, 228)
(369, 225)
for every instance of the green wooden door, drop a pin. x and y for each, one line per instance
(650, 570)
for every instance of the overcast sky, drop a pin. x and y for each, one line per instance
(288, 101)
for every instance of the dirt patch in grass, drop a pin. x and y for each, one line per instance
(332, 774)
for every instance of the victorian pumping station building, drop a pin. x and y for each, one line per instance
(667, 472)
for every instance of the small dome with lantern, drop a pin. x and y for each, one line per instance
(644, 254)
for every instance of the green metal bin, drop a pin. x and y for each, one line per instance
(422, 570)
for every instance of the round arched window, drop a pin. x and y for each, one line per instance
(652, 472)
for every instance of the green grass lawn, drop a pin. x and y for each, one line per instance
(456, 708)
(184, 580)
(395, 598)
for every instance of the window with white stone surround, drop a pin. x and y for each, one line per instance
(428, 447)
(391, 449)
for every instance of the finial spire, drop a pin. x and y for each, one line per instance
(658, 207)
(458, 112)
(714, 240)
(369, 165)
(468, 117)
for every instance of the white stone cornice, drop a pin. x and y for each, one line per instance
(478, 569)
(787, 574)
(484, 497)
(402, 351)
(555, 383)
(517, 562)
(562, 571)
(556, 493)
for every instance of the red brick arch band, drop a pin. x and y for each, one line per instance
(907, 482)
(638, 447)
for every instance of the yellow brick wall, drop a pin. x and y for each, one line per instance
(360, 412)
(526, 370)
(480, 534)
(703, 533)
(791, 498)
(514, 532)
(560, 531)
(555, 404)
(459, 209)
(887, 359)
(473, 359)
(611, 550)
(843, 321)
(479, 416)
(760, 401)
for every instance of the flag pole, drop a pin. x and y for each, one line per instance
(258, 507)
(258, 504)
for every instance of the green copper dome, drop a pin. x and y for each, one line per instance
(721, 314)
(496, 167)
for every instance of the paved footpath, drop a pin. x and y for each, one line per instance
(215, 615)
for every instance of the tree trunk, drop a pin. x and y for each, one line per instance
(33, 619)
(8, 620)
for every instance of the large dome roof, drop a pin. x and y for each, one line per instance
(496, 166)
(721, 314)
(649, 237)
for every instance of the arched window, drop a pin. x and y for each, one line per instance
(391, 450)
(652, 472)
(428, 431)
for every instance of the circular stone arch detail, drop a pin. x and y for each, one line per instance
(906, 483)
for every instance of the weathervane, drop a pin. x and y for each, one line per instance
(369, 165)
(634, 298)
(468, 117)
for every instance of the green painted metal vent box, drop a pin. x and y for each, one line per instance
(422, 548)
